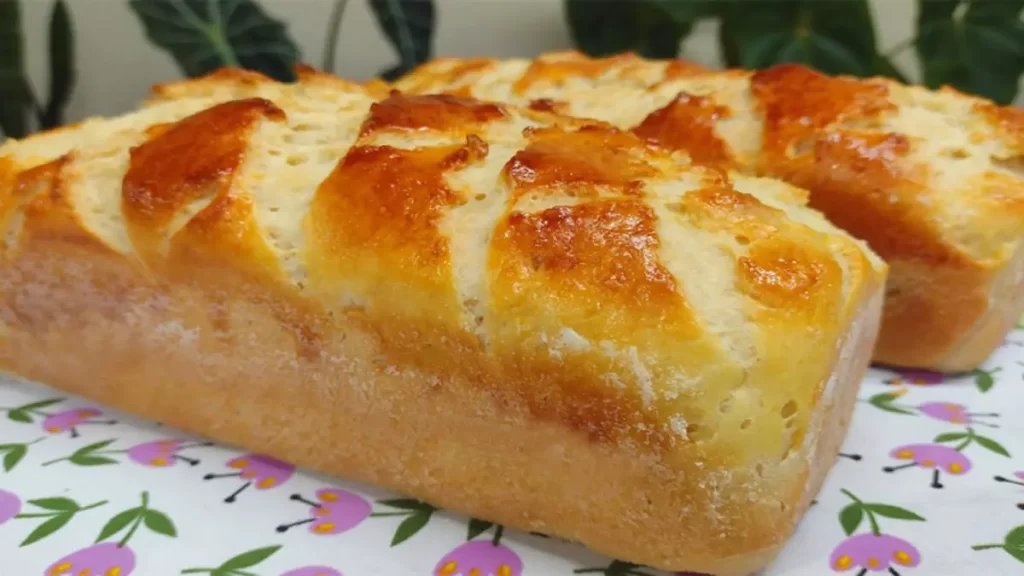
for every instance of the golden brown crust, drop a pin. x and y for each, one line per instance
(932, 180)
(546, 322)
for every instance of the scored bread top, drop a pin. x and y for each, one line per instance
(932, 175)
(631, 294)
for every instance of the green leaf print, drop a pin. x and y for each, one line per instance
(1013, 544)
(406, 504)
(89, 455)
(119, 522)
(58, 503)
(14, 454)
(91, 460)
(984, 380)
(24, 413)
(991, 445)
(951, 436)
(248, 559)
(160, 523)
(851, 517)
(411, 525)
(884, 401)
(19, 416)
(893, 512)
(477, 527)
(49, 527)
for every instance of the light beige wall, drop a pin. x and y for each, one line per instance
(117, 65)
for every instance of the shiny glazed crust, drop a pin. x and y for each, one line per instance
(537, 320)
(932, 180)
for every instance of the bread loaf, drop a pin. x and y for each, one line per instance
(536, 320)
(932, 180)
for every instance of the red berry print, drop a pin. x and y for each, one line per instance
(335, 511)
(259, 470)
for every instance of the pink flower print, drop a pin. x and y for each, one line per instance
(265, 471)
(313, 571)
(480, 558)
(875, 553)
(162, 453)
(954, 413)
(1019, 481)
(335, 512)
(10, 505)
(69, 420)
(103, 559)
(931, 456)
(916, 377)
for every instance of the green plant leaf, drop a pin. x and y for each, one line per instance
(203, 35)
(47, 528)
(976, 46)
(951, 436)
(406, 504)
(477, 527)
(893, 512)
(642, 26)
(14, 455)
(18, 414)
(835, 37)
(409, 25)
(982, 379)
(991, 445)
(850, 517)
(118, 523)
(57, 503)
(160, 523)
(40, 404)
(247, 559)
(91, 460)
(410, 526)
(882, 66)
(62, 71)
(884, 401)
(14, 98)
(1014, 543)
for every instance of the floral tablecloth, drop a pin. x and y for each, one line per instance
(931, 482)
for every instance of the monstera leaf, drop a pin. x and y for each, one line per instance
(203, 35)
(835, 37)
(14, 98)
(409, 25)
(976, 46)
(651, 28)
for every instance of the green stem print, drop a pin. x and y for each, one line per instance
(133, 518)
(1013, 544)
(90, 455)
(13, 453)
(239, 565)
(57, 510)
(25, 412)
(417, 514)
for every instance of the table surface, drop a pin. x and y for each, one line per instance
(931, 483)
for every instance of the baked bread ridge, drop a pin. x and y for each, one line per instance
(931, 179)
(533, 319)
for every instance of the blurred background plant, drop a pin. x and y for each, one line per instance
(974, 45)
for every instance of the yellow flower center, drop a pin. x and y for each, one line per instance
(927, 464)
(474, 572)
(167, 443)
(448, 569)
(267, 482)
(239, 463)
(85, 572)
(843, 562)
(955, 468)
(503, 570)
(953, 407)
(328, 496)
(53, 429)
(321, 512)
(905, 454)
(60, 569)
(902, 558)
(158, 462)
(248, 474)
(325, 527)
(900, 392)
(115, 571)
(874, 563)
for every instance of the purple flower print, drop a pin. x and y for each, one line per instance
(105, 558)
(335, 512)
(69, 420)
(953, 413)
(265, 471)
(916, 377)
(10, 505)
(938, 457)
(313, 571)
(162, 453)
(931, 456)
(872, 551)
(875, 553)
(1019, 481)
(480, 557)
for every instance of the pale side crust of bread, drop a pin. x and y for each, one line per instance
(931, 179)
(435, 436)
(528, 318)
